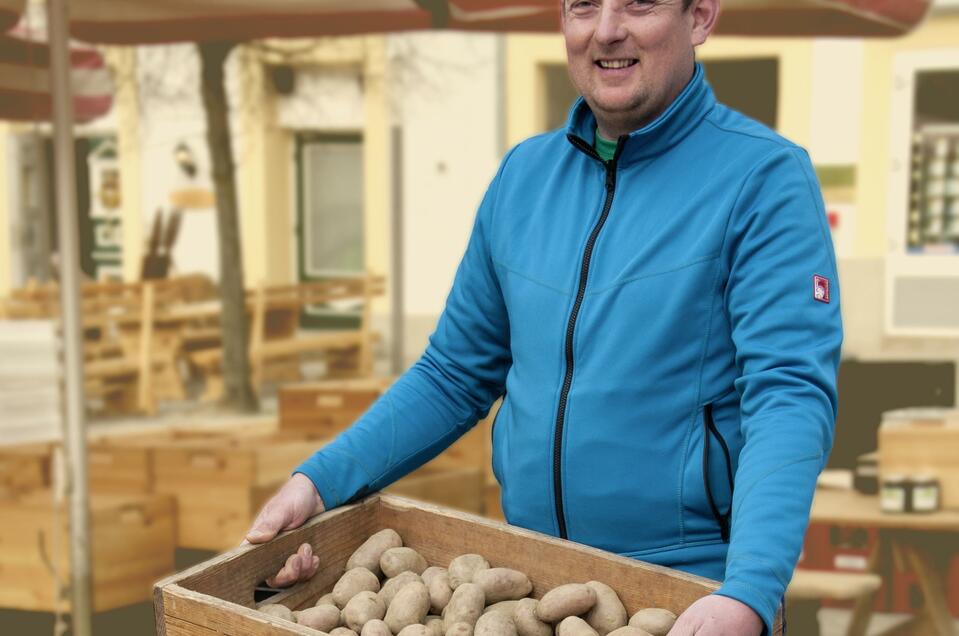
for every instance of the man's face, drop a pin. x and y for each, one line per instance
(629, 58)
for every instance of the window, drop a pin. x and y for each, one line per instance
(750, 86)
(330, 214)
(932, 224)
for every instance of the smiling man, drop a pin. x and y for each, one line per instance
(652, 290)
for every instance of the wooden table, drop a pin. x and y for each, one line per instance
(901, 536)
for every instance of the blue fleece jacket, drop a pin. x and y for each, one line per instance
(666, 330)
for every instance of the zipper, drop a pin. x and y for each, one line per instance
(709, 429)
(571, 324)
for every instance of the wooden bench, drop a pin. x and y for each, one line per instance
(277, 348)
(808, 588)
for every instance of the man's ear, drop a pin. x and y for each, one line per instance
(705, 15)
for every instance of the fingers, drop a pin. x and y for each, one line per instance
(299, 566)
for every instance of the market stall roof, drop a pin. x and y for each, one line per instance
(150, 21)
(25, 85)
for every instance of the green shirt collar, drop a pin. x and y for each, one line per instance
(605, 148)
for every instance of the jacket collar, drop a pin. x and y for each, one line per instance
(686, 111)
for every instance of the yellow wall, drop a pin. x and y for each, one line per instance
(266, 171)
(527, 54)
(123, 64)
(939, 31)
(5, 211)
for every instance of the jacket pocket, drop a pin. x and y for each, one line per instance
(710, 432)
(496, 443)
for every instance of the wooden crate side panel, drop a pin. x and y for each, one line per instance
(187, 610)
(232, 576)
(276, 460)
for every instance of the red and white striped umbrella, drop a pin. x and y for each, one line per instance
(25, 87)
(152, 21)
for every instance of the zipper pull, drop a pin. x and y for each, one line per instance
(610, 175)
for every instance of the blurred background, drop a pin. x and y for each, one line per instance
(263, 211)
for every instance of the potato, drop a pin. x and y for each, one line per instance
(494, 624)
(609, 613)
(368, 555)
(629, 631)
(376, 628)
(326, 599)
(363, 608)
(415, 630)
(322, 617)
(506, 608)
(394, 585)
(464, 566)
(343, 631)
(465, 606)
(440, 590)
(655, 620)
(503, 584)
(280, 611)
(430, 572)
(524, 615)
(459, 629)
(352, 583)
(409, 607)
(571, 599)
(574, 626)
(397, 560)
(435, 625)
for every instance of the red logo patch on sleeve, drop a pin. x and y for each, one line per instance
(820, 288)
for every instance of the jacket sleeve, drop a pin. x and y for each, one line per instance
(787, 352)
(453, 384)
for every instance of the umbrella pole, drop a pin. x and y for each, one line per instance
(74, 438)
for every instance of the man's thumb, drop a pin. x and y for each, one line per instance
(266, 526)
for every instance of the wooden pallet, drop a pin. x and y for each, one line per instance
(132, 543)
(24, 468)
(216, 597)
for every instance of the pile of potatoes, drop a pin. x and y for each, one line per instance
(469, 598)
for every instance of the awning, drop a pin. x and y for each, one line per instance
(863, 18)
(10, 12)
(25, 80)
(152, 21)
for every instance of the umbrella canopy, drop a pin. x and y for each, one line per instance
(25, 86)
(10, 11)
(864, 18)
(149, 21)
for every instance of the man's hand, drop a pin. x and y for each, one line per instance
(289, 508)
(716, 615)
(300, 566)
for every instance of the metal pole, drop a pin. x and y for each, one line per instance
(398, 324)
(74, 439)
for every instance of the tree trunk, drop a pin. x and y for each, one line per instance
(237, 391)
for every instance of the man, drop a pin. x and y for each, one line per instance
(654, 289)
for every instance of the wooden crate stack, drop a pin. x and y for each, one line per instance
(132, 541)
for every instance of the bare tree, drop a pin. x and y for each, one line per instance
(237, 390)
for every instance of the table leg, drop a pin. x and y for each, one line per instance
(935, 608)
(862, 611)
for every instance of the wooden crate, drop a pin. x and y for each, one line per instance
(922, 441)
(220, 484)
(122, 462)
(457, 488)
(216, 597)
(24, 468)
(327, 407)
(132, 544)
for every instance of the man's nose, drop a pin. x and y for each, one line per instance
(612, 24)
